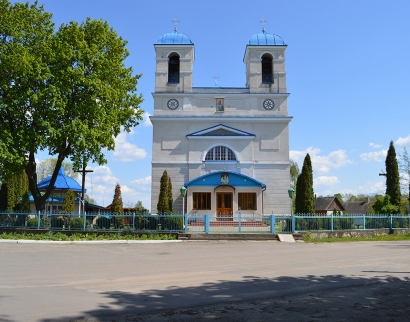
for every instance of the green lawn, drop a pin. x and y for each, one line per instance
(308, 239)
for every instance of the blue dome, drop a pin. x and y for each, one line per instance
(174, 38)
(265, 39)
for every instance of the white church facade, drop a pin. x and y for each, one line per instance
(228, 146)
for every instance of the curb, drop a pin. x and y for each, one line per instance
(86, 242)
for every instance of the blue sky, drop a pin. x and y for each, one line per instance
(348, 75)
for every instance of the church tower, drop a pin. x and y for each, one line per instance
(228, 146)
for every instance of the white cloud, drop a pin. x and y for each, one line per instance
(147, 121)
(326, 181)
(378, 156)
(403, 141)
(142, 181)
(321, 164)
(126, 151)
(369, 188)
(375, 146)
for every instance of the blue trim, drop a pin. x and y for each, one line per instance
(213, 179)
(204, 132)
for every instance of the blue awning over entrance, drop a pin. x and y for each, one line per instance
(230, 178)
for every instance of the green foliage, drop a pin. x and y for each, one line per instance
(141, 209)
(170, 200)
(392, 176)
(382, 205)
(294, 173)
(13, 189)
(68, 202)
(304, 201)
(76, 222)
(66, 92)
(116, 205)
(164, 198)
(339, 197)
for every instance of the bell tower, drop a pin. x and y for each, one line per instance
(265, 63)
(174, 63)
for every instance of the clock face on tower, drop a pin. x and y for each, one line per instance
(172, 104)
(268, 104)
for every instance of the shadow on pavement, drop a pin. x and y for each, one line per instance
(377, 293)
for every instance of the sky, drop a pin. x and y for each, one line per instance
(348, 75)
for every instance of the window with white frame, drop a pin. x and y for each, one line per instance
(220, 153)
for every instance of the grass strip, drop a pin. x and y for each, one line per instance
(58, 236)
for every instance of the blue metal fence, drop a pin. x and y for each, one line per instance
(202, 223)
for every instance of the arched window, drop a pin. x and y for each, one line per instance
(220, 153)
(173, 69)
(267, 69)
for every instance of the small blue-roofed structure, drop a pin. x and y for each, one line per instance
(265, 39)
(173, 38)
(63, 183)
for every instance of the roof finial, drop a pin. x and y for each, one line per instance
(175, 21)
(263, 23)
(216, 79)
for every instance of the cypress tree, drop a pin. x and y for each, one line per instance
(170, 200)
(116, 205)
(163, 199)
(68, 202)
(305, 200)
(392, 177)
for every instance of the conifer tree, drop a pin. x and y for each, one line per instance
(392, 176)
(305, 200)
(170, 200)
(12, 190)
(163, 199)
(116, 205)
(68, 202)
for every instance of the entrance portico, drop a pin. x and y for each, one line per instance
(224, 194)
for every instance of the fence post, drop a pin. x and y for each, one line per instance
(391, 222)
(239, 221)
(185, 219)
(364, 222)
(207, 223)
(293, 224)
(331, 222)
(84, 221)
(133, 221)
(38, 220)
(272, 220)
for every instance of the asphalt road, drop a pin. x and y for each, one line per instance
(46, 282)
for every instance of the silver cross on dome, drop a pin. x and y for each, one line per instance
(263, 23)
(175, 21)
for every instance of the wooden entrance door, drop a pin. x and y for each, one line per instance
(224, 206)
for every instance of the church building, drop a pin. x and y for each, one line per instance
(228, 146)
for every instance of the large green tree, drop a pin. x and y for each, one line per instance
(163, 199)
(305, 199)
(392, 176)
(66, 92)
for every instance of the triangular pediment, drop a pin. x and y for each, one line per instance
(219, 131)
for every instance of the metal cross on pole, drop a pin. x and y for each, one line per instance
(83, 172)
